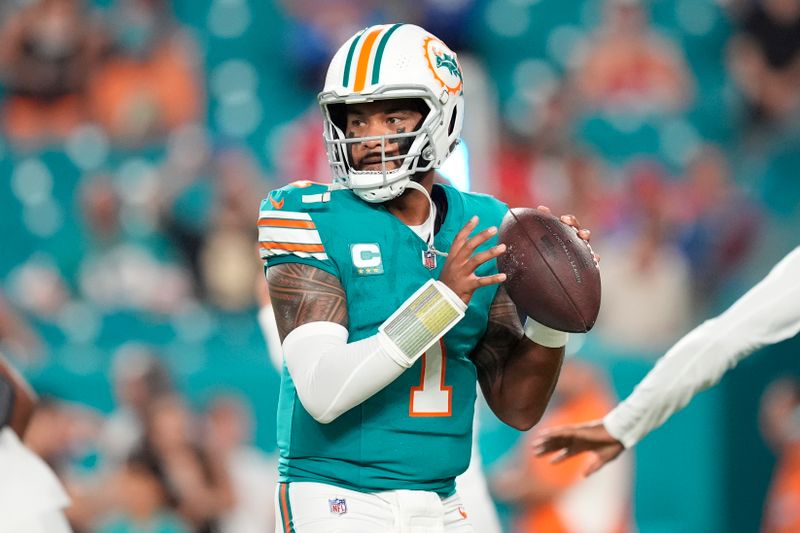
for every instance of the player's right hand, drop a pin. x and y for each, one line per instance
(583, 233)
(458, 272)
(575, 439)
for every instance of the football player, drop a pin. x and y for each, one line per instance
(388, 304)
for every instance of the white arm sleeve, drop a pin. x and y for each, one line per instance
(768, 313)
(332, 376)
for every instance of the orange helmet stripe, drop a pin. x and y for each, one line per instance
(363, 59)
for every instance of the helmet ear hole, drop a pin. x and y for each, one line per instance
(452, 125)
(338, 113)
(422, 108)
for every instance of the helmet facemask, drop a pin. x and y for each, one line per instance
(416, 153)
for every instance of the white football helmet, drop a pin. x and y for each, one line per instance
(393, 61)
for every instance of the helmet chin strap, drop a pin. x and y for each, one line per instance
(430, 222)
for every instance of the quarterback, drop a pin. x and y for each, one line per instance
(388, 304)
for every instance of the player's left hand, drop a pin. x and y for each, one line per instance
(458, 272)
(575, 439)
(572, 220)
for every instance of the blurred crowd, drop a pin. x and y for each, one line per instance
(156, 463)
(150, 236)
(137, 158)
(670, 231)
(133, 72)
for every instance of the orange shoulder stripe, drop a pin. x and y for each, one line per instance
(293, 247)
(286, 223)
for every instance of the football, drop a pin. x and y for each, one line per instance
(551, 274)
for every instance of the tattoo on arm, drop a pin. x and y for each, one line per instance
(303, 293)
(503, 332)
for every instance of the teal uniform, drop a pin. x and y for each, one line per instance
(416, 432)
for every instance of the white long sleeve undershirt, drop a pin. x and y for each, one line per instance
(768, 313)
(330, 375)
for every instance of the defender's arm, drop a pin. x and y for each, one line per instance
(768, 313)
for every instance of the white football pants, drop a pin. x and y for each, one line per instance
(306, 507)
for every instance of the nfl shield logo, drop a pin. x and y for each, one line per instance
(429, 259)
(338, 506)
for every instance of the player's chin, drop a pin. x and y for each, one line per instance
(378, 166)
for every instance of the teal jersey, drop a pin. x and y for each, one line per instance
(416, 432)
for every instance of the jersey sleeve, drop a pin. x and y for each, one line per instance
(290, 232)
(490, 210)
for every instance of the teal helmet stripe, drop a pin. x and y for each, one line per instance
(349, 60)
(376, 66)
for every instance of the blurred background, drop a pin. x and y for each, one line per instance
(138, 137)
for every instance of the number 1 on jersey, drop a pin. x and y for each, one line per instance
(432, 397)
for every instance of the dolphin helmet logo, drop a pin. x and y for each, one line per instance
(443, 64)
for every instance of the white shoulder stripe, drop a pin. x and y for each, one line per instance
(266, 254)
(295, 235)
(316, 198)
(291, 215)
